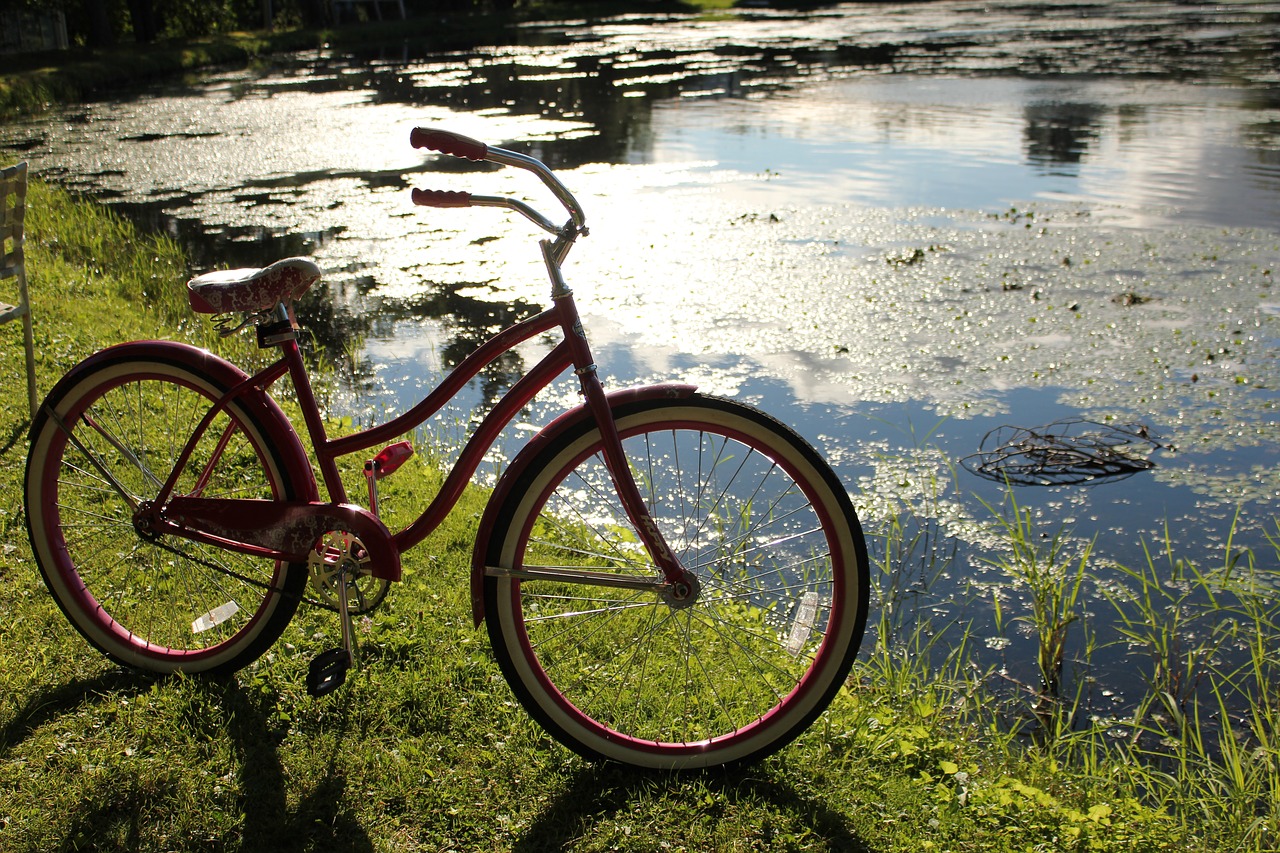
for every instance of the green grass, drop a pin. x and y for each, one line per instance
(1043, 569)
(425, 747)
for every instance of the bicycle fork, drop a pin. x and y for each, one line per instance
(682, 587)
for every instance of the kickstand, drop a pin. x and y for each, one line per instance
(328, 670)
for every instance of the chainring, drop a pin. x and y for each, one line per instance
(341, 555)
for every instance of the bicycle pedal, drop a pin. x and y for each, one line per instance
(328, 671)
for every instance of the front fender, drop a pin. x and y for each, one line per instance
(530, 452)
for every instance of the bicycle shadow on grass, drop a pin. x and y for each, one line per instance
(115, 805)
(601, 793)
(320, 820)
(55, 702)
(19, 432)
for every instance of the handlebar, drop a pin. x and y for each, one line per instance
(457, 145)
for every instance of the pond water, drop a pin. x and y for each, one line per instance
(896, 226)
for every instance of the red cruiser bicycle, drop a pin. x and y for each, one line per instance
(670, 580)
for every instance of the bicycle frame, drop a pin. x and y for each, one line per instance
(328, 451)
(239, 525)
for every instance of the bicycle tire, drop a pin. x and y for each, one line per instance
(171, 604)
(621, 675)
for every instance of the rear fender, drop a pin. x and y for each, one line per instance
(275, 425)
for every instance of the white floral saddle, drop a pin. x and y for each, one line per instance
(251, 290)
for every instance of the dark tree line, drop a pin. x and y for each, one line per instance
(97, 23)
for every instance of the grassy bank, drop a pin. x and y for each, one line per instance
(33, 82)
(426, 749)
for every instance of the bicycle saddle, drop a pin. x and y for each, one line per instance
(251, 290)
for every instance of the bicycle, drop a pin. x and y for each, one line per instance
(669, 579)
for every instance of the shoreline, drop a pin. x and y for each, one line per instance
(38, 81)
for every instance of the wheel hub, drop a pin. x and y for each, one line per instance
(683, 593)
(146, 521)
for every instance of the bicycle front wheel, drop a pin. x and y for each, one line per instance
(160, 604)
(620, 673)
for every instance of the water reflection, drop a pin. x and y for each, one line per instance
(729, 146)
(881, 220)
(1058, 135)
(467, 322)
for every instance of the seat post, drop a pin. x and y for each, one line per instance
(13, 205)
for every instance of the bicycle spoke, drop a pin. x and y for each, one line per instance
(670, 682)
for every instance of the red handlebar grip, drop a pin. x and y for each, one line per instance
(441, 198)
(448, 143)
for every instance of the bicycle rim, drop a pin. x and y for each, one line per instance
(623, 675)
(169, 604)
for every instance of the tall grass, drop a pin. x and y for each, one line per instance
(1200, 742)
(81, 258)
(1203, 739)
(80, 251)
(1045, 573)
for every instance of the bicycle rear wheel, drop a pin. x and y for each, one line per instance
(163, 604)
(621, 674)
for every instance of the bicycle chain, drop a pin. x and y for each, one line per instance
(301, 599)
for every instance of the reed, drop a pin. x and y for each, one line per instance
(1204, 738)
(1201, 743)
(1052, 578)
